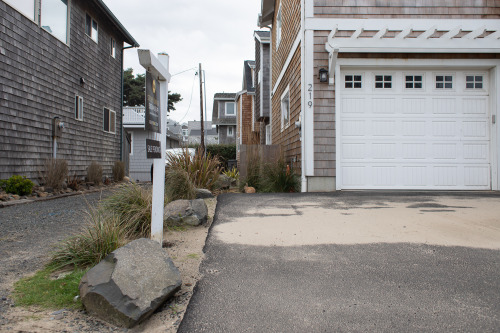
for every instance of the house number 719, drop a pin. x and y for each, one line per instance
(310, 90)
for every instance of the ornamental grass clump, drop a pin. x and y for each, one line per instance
(101, 236)
(178, 185)
(202, 170)
(94, 173)
(279, 177)
(118, 171)
(131, 204)
(55, 172)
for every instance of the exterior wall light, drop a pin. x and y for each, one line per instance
(323, 75)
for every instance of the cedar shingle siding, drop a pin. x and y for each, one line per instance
(39, 79)
(433, 9)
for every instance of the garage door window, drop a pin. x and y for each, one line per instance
(353, 81)
(474, 82)
(444, 82)
(413, 82)
(383, 81)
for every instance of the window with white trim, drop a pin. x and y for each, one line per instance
(131, 143)
(444, 81)
(113, 48)
(285, 109)
(414, 82)
(268, 134)
(230, 131)
(25, 7)
(474, 82)
(230, 108)
(91, 27)
(78, 107)
(54, 18)
(353, 81)
(109, 121)
(383, 81)
(278, 27)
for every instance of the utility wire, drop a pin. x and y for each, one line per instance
(190, 69)
(190, 100)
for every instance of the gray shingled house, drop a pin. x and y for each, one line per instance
(63, 67)
(133, 123)
(262, 79)
(224, 117)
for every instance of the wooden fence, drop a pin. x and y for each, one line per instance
(262, 153)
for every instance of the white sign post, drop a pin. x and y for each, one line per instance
(158, 67)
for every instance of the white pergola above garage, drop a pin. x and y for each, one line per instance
(412, 36)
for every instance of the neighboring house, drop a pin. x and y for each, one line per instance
(224, 117)
(194, 133)
(60, 69)
(387, 95)
(133, 122)
(247, 131)
(262, 80)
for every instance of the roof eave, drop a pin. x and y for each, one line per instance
(266, 13)
(128, 37)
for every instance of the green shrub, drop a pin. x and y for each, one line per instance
(131, 204)
(41, 290)
(178, 185)
(278, 177)
(19, 185)
(94, 173)
(3, 184)
(118, 171)
(101, 236)
(55, 172)
(203, 170)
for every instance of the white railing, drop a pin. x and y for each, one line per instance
(134, 115)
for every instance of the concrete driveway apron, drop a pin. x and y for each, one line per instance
(351, 261)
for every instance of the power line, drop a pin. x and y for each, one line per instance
(190, 69)
(190, 100)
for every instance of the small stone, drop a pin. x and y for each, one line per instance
(15, 197)
(43, 194)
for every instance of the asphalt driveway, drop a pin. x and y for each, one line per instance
(351, 261)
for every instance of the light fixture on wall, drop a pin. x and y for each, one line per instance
(323, 75)
(82, 81)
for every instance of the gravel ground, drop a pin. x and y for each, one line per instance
(28, 233)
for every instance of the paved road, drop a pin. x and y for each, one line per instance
(349, 262)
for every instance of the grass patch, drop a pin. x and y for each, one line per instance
(193, 256)
(42, 291)
(101, 236)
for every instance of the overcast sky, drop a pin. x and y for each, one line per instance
(218, 34)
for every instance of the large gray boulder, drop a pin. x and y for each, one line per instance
(130, 283)
(191, 212)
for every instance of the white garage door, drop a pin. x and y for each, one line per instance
(404, 129)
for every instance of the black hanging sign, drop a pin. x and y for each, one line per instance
(153, 149)
(153, 116)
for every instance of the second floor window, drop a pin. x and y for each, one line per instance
(230, 108)
(54, 18)
(91, 28)
(113, 48)
(78, 107)
(109, 121)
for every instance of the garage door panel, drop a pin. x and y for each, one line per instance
(409, 139)
(444, 105)
(475, 106)
(414, 106)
